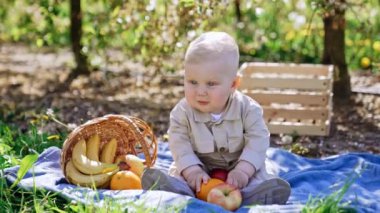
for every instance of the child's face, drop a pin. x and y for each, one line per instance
(208, 86)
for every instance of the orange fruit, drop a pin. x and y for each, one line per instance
(125, 180)
(206, 188)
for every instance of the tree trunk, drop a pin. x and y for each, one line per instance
(334, 51)
(237, 10)
(76, 35)
(79, 57)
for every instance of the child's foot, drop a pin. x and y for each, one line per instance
(154, 179)
(272, 191)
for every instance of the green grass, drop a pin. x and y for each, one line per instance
(332, 202)
(22, 148)
(18, 200)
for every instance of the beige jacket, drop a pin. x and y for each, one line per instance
(240, 134)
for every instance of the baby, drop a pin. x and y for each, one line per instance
(215, 126)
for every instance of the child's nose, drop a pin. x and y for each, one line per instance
(202, 90)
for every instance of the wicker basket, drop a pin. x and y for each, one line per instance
(133, 136)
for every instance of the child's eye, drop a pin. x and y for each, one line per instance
(211, 84)
(192, 82)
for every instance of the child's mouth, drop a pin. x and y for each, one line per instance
(202, 102)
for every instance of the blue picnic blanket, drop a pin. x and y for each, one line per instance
(307, 177)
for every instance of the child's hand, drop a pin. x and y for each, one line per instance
(240, 175)
(237, 178)
(195, 176)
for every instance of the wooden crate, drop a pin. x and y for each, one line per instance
(296, 98)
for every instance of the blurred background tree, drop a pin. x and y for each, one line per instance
(76, 38)
(156, 32)
(334, 26)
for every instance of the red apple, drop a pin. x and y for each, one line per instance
(226, 196)
(220, 174)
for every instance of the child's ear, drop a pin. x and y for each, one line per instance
(236, 82)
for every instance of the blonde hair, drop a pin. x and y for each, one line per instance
(214, 46)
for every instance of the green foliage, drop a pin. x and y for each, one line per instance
(157, 32)
(45, 23)
(25, 164)
(362, 30)
(15, 144)
(299, 37)
(147, 31)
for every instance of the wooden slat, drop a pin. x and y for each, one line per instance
(285, 83)
(294, 97)
(296, 113)
(299, 128)
(303, 99)
(301, 69)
